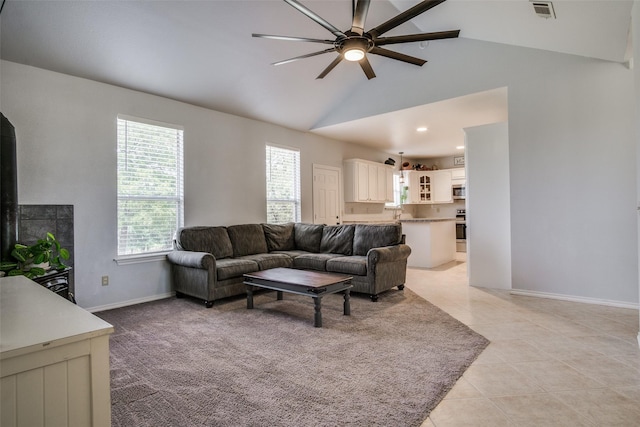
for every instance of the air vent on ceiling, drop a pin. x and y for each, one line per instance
(544, 9)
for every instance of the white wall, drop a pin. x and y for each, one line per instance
(635, 30)
(572, 156)
(66, 149)
(488, 206)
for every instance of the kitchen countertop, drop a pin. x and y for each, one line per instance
(428, 219)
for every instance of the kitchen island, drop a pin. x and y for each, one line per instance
(432, 241)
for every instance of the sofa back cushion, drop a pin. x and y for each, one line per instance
(279, 237)
(247, 239)
(337, 239)
(307, 236)
(367, 236)
(213, 240)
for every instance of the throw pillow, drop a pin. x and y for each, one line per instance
(337, 239)
(279, 237)
(307, 236)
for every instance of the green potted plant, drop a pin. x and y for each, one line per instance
(34, 260)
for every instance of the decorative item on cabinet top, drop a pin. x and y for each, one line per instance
(367, 182)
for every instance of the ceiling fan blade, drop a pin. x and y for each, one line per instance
(403, 17)
(312, 15)
(399, 56)
(360, 16)
(417, 37)
(366, 67)
(289, 38)
(308, 55)
(330, 67)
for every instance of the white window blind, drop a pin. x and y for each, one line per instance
(150, 185)
(283, 185)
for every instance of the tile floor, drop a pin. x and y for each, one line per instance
(550, 362)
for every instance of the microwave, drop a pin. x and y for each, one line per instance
(458, 191)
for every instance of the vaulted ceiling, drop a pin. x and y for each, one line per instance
(202, 53)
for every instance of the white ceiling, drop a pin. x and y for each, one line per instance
(202, 52)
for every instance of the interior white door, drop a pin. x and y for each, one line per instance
(326, 195)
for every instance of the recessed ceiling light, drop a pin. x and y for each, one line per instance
(422, 129)
(460, 147)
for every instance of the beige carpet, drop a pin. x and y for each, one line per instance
(176, 363)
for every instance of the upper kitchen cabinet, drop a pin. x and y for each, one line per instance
(458, 176)
(428, 187)
(367, 182)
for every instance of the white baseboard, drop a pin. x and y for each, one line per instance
(129, 302)
(586, 300)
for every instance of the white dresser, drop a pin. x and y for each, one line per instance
(54, 359)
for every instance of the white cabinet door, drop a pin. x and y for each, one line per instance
(381, 184)
(362, 182)
(389, 187)
(420, 187)
(372, 183)
(441, 183)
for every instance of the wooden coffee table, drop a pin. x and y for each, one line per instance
(302, 282)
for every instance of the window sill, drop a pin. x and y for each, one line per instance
(138, 259)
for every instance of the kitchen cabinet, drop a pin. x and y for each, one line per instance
(458, 176)
(367, 182)
(429, 187)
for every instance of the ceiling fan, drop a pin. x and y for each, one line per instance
(355, 43)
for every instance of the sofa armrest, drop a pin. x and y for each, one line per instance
(203, 260)
(388, 253)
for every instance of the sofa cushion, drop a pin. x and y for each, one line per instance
(279, 237)
(337, 239)
(292, 254)
(270, 260)
(367, 236)
(213, 240)
(355, 265)
(233, 267)
(313, 261)
(247, 239)
(307, 236)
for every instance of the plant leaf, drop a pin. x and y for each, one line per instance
(7, 265)
(17, 254)
(16, 273)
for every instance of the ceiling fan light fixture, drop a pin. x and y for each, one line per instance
(353, 54)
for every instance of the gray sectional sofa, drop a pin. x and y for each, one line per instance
(208, 262)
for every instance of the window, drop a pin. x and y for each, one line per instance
(398, 190)
(150, 185)
(283, 185)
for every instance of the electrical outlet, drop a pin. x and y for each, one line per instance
(105, 280)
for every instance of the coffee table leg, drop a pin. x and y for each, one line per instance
(279, 295)
(347, 304)
(317, 320)
(249, 297)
